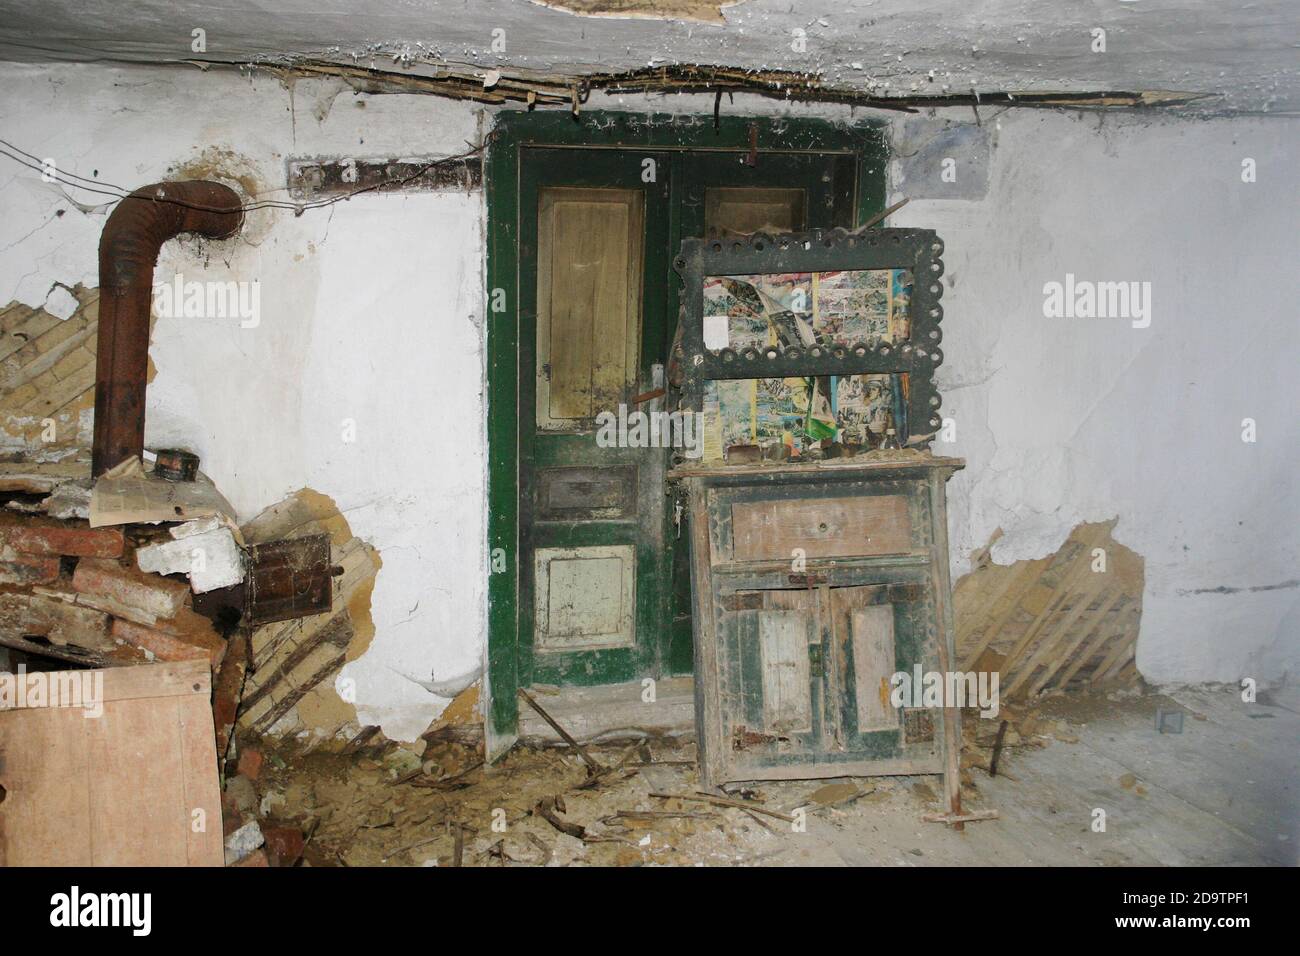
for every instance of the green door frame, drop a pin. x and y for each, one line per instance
(863, 144)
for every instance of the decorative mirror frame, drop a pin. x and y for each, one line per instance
(819, 250)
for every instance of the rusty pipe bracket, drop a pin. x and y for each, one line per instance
(128, 252)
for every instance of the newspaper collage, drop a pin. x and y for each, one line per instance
(804, 309)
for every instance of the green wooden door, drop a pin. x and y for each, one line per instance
(527, 154)
(593, 265)
(604, 593)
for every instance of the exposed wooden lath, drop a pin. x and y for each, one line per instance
(1046, 623)
(47, 370)
(293, 659)
(573, 91)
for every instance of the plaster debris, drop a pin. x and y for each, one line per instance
(243, 842)
(61, 303)
(211, 559)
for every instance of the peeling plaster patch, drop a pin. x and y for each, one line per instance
(61, 302)
(700, 11)
(293, 687)
(1072, 615)
(221, 165)
(47, 372)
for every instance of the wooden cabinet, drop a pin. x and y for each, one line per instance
(812, 585)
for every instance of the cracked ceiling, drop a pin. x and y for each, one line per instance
(1243, 55)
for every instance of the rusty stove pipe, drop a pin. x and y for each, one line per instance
(128, 251)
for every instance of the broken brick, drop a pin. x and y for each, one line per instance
(77, 542)
(26, 570)
(284, 844)
(33, 615)
(154, 595)
(257, 858)
(250, 762)
(168, 641)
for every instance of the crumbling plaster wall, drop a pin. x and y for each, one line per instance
(372, 311)
(1066, 420)
(370, 322)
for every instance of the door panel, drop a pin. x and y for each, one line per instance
(732, 211)
(783, 639)
(589, 261)
(585, 597)
(872, 634)
(596, 289)
(592, 265)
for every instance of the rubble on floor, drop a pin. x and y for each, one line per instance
(435, 803)
(132, 568)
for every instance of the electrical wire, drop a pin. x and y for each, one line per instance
(119, 193)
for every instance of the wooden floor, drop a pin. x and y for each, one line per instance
(1226, 791)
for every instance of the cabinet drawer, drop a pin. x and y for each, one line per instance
(820, 527)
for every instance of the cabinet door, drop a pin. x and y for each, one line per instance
(805, 681)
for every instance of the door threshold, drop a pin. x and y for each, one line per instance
(611, 712)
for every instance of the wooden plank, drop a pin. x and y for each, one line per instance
(1114, 661)
(117, 788)
(1048, 645)
(783, 647)
(941, 581)
(873, 662)
(134, 750)
(1017, 579)
(588, 302)
(1027, 581)
(47, 789)
(172, 679)
(910, 465)
(710, 743)
(964, 593)
(1101, 631)
(200, 798)
(821, 527)
(1082, 564)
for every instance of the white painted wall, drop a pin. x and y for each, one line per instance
(373, 311)
(1067, 420)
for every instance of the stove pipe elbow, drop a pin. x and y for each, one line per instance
(128, 251)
